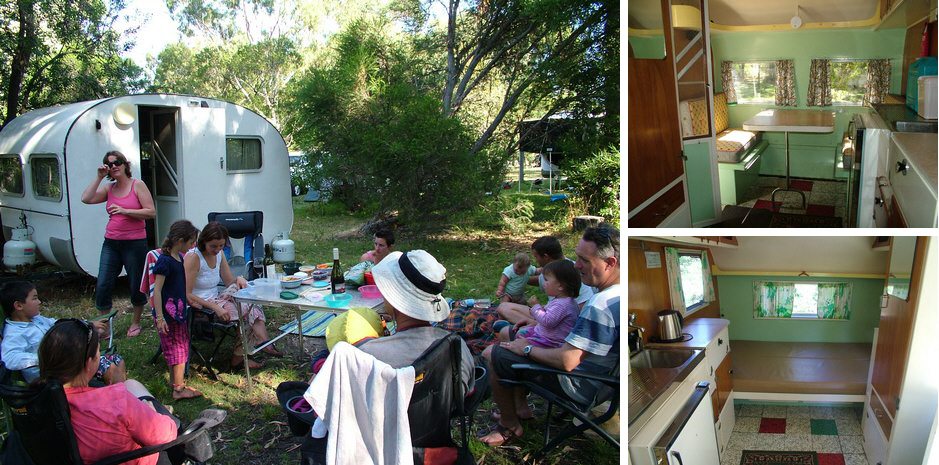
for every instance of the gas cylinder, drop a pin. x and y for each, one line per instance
(283, 249)
(19, 250)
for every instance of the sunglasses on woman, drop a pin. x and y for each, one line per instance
(84, 324)
(112, 164)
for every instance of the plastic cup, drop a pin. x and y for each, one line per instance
(369, 279)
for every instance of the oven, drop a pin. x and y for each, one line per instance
(870, 137)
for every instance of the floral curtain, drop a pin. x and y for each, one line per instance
(819, 94)
(773, 299)
(727, 78)
(834, 301)
(708, 280)
(675, 294)
(878, 81)
(785, 83)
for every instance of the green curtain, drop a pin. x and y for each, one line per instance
(834, 301)
(708, 281)
(773, 299)
(675, 294)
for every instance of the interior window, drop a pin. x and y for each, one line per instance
(755, 81)
(848, 82)
(242, 154)
(11, 174)
(692, 279)
(45, 175)
(806, 300)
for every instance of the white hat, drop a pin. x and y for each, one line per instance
(412, 283)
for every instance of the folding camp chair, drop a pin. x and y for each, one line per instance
(40, 417)
(569, 407)
(247, 226)
(437, 398)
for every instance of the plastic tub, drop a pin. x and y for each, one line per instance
(266, 287)
(337, 300)
(370, 292)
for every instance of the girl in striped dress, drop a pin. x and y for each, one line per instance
(169, 296)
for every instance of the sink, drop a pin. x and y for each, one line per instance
(661, 358)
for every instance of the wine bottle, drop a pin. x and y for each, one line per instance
(268, 261)
(337, 281)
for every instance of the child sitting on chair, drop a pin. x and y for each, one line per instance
(169, 299)
(553, 322)
(514, 279)
(25, 327)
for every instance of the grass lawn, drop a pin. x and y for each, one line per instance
(474, 252)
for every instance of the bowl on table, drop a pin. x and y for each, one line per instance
(337, 300)
(291, 268)
(290, 282)
(370, 292)
(308, 269)
(321, 275)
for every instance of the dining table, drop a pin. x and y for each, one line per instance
(787, 120)
(308, 298)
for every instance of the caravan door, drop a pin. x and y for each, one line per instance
(205, 185)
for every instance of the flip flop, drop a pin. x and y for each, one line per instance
(185, 392)
(252, 364)
(496, 415)
(271, 350)
(133, 331)
(506, 436)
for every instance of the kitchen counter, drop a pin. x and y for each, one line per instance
(702, 330)
(922, 152)
(649, 388)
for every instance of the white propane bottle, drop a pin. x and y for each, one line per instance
(19, 250)
(283, 249)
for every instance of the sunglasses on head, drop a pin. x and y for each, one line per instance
(112, 164)
(84, 324)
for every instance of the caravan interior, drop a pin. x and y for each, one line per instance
(818, 347)
(782, 114)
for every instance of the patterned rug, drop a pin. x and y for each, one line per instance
(788, 220)
(758, 457)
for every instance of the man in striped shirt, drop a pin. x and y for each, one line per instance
(592, 346)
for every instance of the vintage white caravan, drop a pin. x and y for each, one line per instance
(197, 155)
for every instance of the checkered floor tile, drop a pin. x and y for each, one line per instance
(832, 432)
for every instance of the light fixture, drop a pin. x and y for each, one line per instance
(125, 113)
(796, 20)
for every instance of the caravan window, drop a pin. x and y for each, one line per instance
(242, 154)
(848, 82)
(44, 170)
(755, 81)
(11, 175)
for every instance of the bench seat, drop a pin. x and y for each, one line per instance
(734, 143)
(801, 367)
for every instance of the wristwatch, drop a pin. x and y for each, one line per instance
(527, 351)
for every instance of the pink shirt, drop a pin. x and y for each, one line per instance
(110, 420)
(125, 227)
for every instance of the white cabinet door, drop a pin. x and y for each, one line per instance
(875, 445)
(697, 442)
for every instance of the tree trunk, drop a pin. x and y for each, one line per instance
(25, 42)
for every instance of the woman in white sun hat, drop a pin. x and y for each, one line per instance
(411, 284)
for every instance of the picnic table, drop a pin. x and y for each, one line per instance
(308, 308)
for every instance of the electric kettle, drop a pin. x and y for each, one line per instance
(670, 322)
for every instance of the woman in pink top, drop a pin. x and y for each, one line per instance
(129, 205)
(107, 420)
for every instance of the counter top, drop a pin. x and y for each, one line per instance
(702, 330)
(921, 151)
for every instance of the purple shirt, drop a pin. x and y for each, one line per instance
(555, 321)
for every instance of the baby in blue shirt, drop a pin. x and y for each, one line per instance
(514, 278)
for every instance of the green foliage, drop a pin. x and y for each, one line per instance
(368, 126)
(596, 182)
(57, 52)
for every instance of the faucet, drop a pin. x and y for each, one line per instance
(638, 341)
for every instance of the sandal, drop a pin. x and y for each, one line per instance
(181, 391)
(133, 331)
(505, 435)
(238, 362)
(271, 350)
